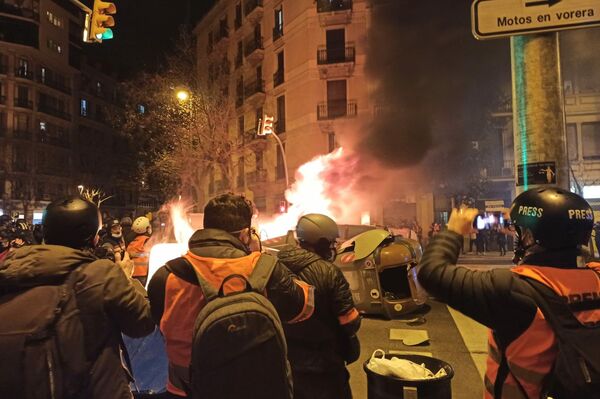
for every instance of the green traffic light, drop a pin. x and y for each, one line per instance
(106, 35)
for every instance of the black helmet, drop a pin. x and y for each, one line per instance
(557, 218)
(314, 227)
(71, 222)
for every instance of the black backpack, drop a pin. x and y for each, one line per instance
(576, 370)
(238, 348)
(42, 342)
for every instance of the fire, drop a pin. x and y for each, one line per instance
(164, 252)
(326, 184)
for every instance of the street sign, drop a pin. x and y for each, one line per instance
(537, 173)
(501, 18)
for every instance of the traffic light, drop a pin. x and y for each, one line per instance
(102, 21)
(266, 126)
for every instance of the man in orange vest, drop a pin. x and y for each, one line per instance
(227, 245)
(137, 248)
(551, 225)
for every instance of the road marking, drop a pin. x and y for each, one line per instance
(474, 336)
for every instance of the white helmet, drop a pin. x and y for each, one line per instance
(140, 225)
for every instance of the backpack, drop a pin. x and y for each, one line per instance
(576, 370)
(42, 342)
(238, 345)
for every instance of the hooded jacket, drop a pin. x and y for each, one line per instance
(324, 342)
(108, 302)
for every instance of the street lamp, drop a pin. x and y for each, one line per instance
(80, 188)
(183, 95)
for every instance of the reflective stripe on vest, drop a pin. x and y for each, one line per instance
(139, 256)
(531, 356)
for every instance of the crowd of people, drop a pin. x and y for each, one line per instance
(237, 322)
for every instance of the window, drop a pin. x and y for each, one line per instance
(43, 73)
(209, 46)
(259, 116)
(22, 97)
(99, 88)
(572, 141)
(280, 126)
(331, 142)
(278, 26)
(336, 42)
(336, 98)
(83, 108)
(590, 140)
(23, 69)
(54, 46)
(141, 109)
(280, 171)
(54, 20)
(258, 156)
(241, 172)
(241, 124)
(238, 16)
(21, 123)
(278, 77)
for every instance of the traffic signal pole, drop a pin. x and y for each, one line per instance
(538, 112)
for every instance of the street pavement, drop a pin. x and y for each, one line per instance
(453, 337)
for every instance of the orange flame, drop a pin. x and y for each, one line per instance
(326, 184)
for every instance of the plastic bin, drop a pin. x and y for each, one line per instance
(385, 387)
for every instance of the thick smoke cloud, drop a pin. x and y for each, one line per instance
(434, 80)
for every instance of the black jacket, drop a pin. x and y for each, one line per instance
(287, 297)
(497, 298)
(108, 302)
(321, 343)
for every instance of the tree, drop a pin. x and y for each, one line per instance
(180, 141)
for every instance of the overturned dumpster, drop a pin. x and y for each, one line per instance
(381, 271)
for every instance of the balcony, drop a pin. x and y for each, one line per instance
(254, 51)
(334, 12)
(23, 103)
(278, 78)
(337, 62)
(55, 84)
(24, 73)
(499, 170)
(334, 109)
(254, 93)
(239, 60)
(253, 10)
(22, 134)
(51, 110)
(277, 33)
(21, 11)
(3, 69)
(222, 36)
(239, 100)
(2, 100)
(259, 176)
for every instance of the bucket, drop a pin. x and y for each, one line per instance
(386, 387)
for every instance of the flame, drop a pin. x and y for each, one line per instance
(163, 252)
(326, 184)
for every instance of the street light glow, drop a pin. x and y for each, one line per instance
(183, 95)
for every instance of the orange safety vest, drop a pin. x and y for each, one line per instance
(139, 255)
(183, 302)
(531, 356)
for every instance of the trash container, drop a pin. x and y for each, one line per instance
(386, 387)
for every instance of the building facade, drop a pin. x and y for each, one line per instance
(301, 61)
(53, 108)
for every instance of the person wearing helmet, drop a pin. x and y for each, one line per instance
(128, 234)
(552, 228)
(321, 347)
(137, 248)
(114, 242)
(108, 303)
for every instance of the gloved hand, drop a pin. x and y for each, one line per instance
(126, 264)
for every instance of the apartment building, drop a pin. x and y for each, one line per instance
(582, 109)
(301, 61)
(54, 133)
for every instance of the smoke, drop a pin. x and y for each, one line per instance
(433, 79)
(580, 58)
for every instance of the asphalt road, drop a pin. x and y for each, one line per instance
(453, 338)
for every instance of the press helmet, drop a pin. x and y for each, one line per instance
(557, 218)
(314, 227)
(71, 222)
(140, 225)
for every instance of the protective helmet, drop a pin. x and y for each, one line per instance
(315, 227)
(557, 218)
(71, 222)
(126, 221)
(140, 225)
(5, 219)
